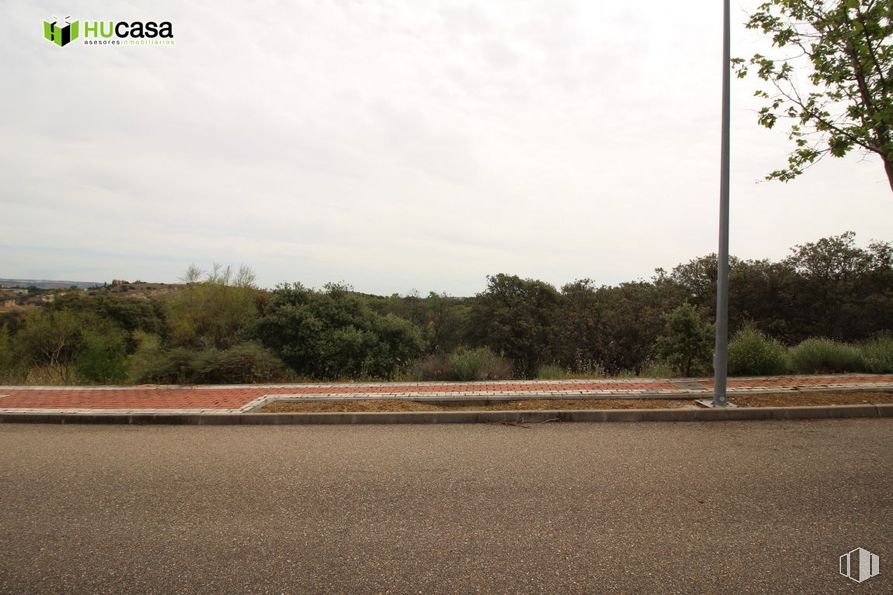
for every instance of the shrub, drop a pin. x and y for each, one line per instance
(334, 334)
(479, 364)
(463, 364)
(435, 366)
(47, 375)
(751, 353)
(687, 341)
(877, 355)
(6, 355)
(49, 339)
(550, 372)
(246, 363)
(242, 364)
(825, 356)
(102, 357)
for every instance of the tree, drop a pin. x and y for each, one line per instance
(687, 341)
(212, 312)
(50, 338)
(334, 334)
(847, 103)
(842, 291)
(516, 318)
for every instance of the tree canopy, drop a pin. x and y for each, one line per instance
(831, 81)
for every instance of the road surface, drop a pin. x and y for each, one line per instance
(633, 507)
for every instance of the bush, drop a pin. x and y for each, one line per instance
(464, 365)
(826, 356)
(6, 355)
(145, 357)
(431, 367)
(877, 355)
(335, 334)
(102, 357)
(48, 339)
(48, 375)
(687, 341)
(550, 372)
(246, 363)
(751, 353)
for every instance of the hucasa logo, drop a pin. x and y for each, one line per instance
(63, 34)
(137, 29)
(110, 32)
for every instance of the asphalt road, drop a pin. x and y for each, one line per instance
(657, 508)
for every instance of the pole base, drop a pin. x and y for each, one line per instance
(709, 404)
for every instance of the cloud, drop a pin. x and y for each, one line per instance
(394, 146)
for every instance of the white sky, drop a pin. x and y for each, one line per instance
(397, 145)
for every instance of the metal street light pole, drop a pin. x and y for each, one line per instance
(721, 352)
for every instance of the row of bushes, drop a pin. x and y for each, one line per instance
(244, 363)
(751, 353)
(462, 364)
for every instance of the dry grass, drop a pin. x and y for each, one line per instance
(767, 400)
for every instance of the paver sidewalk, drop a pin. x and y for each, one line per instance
(242, 398)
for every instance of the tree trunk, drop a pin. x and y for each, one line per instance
(888, 166)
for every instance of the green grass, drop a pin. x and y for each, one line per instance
(815, 356)
(877, 355)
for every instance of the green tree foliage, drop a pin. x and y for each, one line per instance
(102, 357)
(516, 317)
(6, 354)
(632, 317)
(840, 291)
(58, 339)
(335, 334)
(830, 288)
(210, 313)
(128, 314)
(49, 338)
(580, 325)
(197, 332)
(687, 341)
(443, 320)
(832, 79)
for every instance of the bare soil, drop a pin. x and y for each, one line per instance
(808, 399)
(796, 399)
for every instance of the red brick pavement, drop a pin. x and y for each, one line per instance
(237, 397)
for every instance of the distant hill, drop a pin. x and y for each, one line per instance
(47, 284)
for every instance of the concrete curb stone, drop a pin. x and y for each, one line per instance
(441, 417)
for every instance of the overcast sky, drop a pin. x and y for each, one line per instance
(396, 145)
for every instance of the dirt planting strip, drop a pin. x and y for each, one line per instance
(798, 399)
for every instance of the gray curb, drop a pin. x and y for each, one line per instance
(454, 417)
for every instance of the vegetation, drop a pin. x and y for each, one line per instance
(752, 353)
(334, 334)
(832, 79)
(688, 341)
(462, 364)
(877, 355)
(831, 300)
(826, 356)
